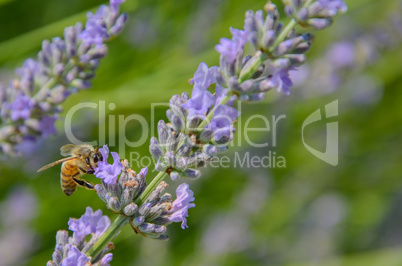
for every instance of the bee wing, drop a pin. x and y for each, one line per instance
(66, 150)
(56, 162)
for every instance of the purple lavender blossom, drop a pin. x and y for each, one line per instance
(30, 104)
(281, 80)
(108, 172)
(342, 54)
(21, 107)
(115, 5)
(20, 206)
(47, 126)
(334, 5)
(98, 27)
(75, 257)
(201, 99)
(107, 258)
(143, 172)
(229, 48)
(180, 207)
(89, 223)
(222, 123)
(204, 76)
(220, 93)
(200, 102)
(239, 37)
(95, 28)
(27, 72)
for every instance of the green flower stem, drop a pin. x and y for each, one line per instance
(289, 27)
(51, 82)
(107, 236)
(151, 187)
(250, 70)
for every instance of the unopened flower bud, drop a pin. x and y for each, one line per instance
(174, 175)
(147, 228)
(177, 123)
(319, 23)
(144, 209)
(163, 132)
(114, 205)
(130, 209)
(62, 237)
(192, 173)
(137, 221)
(80, 84)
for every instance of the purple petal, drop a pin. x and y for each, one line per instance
(180, 206)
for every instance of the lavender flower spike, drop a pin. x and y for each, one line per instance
(180, 207)
(30, 104)
(201, 98)
(70, 251)
(103, 24)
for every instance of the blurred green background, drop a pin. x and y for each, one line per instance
(307, 213)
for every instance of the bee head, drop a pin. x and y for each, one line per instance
(92, 159)
(96, 157)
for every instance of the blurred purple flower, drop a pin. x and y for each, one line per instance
(180, 207)
(27, 72)
(108, 172)
(300, 75)
(21, 107)
(62, 67)
(95, 29)
(99, 26)
(47, 126)
(115, 5)
(342, 54)
(17, 243)
(75, 258)
(20, 206)
(89, 223)
(334, 5)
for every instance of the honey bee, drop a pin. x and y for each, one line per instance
(82, 159)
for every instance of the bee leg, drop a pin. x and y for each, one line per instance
(84, 183)
(89, 171)
(82, 170)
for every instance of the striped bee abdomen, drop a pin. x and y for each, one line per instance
(68, 171)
